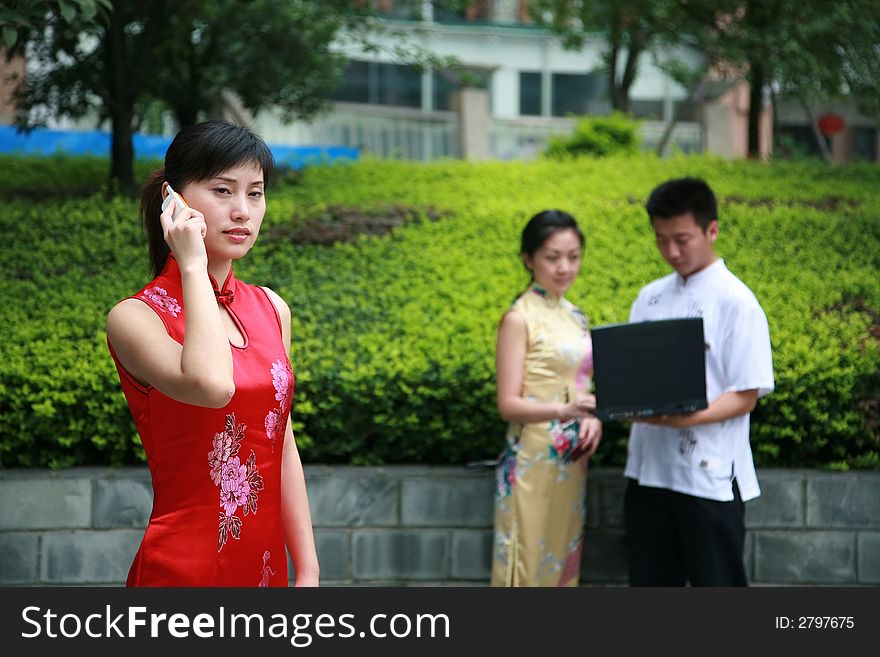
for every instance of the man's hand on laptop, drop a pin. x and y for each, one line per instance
(731, 404)
(683, 421)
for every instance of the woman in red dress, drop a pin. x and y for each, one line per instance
(203, 362)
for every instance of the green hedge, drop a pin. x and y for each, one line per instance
(59, 175)
(393, 336)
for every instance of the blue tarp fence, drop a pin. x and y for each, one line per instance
(97, 142)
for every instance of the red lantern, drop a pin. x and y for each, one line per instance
(831, 123)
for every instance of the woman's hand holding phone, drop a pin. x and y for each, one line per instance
(185, 230)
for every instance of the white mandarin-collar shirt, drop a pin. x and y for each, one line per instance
(704, 460)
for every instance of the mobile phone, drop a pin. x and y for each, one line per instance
(179, 203)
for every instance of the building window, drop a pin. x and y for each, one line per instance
(399, 10)
(865, 143)
(529, 94)
(511, 12)
(500, 12)
(571, 93)
(380, 84)
(799, 141)
(650, 110)
(577, 93)
(477, 11)
(399, 85)
(354, 87)
(686, 110)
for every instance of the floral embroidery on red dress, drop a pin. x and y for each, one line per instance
(268, 571)
(239, 482)
(282, 379)
(160, 297)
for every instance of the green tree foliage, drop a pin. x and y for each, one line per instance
(806, 49)
(630, 28)
(269, 53)
(19, 19)
(183, 53)
(186, 54)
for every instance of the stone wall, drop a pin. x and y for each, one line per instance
(411, 525)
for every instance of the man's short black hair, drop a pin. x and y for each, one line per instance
(682, 196)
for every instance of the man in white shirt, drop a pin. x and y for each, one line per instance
(688, 475)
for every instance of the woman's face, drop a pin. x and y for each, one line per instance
(233, 203)
(556, 264)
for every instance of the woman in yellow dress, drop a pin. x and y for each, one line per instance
(544, 367)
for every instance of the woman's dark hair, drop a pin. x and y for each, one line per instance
(542, 226)
(198, 153)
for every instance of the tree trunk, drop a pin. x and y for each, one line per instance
(122, 151)
(185, 115)
(613, 87)
(637, 43)
(777, 134)
(619, 98)
(756, 100)
(614, 46)
(621, 86)
(693, 91)
(820, 140)
(120, 105)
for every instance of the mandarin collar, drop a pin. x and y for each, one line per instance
(701, 277)
(552, 300)
(225, 294)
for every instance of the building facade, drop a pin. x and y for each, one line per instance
(516, 87)
(530, 87)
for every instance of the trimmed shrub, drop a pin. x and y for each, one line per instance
(598, 136)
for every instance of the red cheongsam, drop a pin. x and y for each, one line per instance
(216, 472)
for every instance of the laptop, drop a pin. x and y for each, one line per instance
(649, 368)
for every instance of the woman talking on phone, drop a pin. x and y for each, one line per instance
(203, 362)
(544, 366)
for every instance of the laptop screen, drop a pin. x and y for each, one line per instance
(649, 368)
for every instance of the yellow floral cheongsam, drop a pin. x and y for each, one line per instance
(541, 491)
